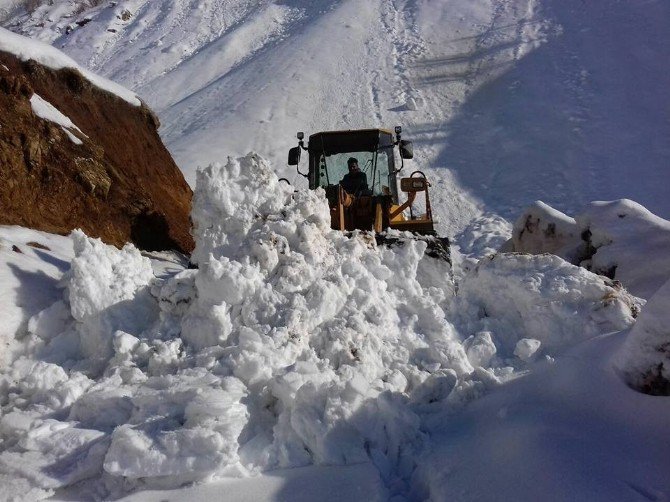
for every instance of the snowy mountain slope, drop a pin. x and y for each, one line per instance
(584, 117)
(54, 59)
(508, 100)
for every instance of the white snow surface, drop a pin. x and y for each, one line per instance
(568, 430)
(299, 484)
(291, 345)
(29, 278)
(27, 49)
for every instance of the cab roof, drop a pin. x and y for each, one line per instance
(351, 140)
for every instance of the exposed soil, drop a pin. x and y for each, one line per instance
(121, 184)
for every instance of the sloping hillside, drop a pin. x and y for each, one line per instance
(76, 155)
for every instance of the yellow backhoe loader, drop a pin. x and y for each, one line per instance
(357, 169)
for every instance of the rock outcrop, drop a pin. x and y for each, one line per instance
(107, 173)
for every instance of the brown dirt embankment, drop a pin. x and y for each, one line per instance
(120, 184)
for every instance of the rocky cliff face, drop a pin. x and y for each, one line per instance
(107, 173)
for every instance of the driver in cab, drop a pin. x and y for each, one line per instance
(355, 182)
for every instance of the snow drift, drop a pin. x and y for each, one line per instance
(620, 239)
(645, 356)
(291, 344)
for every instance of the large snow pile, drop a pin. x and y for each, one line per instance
(645, 356)
(292, 344)
(620, 239)
(539, 298)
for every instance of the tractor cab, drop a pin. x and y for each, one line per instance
(374, 204)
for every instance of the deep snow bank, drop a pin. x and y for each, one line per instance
(521, 297)
(292, 344)
(645, 356)
(620, 239)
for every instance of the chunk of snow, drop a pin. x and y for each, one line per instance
(107, 290)
(526, 348)
(480, 348)
(56, 454)
(543, 229)
(644, 358)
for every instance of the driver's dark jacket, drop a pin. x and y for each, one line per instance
(355, 183)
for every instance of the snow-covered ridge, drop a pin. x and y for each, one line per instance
(292, 344)
(27, 49)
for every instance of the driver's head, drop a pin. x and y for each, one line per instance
(352, 164)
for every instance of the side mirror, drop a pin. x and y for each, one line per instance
(406, 149)
(294, 156)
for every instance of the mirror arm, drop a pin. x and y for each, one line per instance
(398, 131)
(402, 164)
(297, 168)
